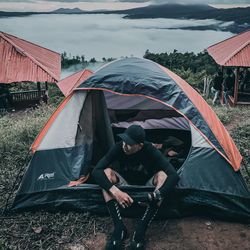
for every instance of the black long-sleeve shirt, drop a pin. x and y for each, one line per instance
(149, 157)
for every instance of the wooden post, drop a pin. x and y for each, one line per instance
(236, 86)
(39, 87)
(209, 81)
(206, 88)
(39, 90)
(222, 89)
(46, 94)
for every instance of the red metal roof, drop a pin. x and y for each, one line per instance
(234, 51)
(21, 61)
(67, 84)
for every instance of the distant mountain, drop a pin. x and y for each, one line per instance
(13, 14)
(169, 10)
(239, 17)
(151, 10)
(67, 11)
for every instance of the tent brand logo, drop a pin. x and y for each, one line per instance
(46, 176)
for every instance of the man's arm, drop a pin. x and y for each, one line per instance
(163, 164)
(100, 177)
(98, 172)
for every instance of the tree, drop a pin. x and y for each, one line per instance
(92, 60)
(83, 59)
(190, 66)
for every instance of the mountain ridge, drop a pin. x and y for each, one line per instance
(239, 16)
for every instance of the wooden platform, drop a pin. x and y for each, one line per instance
(243, 99)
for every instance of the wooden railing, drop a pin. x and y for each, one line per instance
(31, 95)
(2, 111)
(19, 100)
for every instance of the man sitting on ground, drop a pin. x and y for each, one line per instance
(158, 172)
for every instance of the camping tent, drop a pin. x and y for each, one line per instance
(135, 91)
(69, 83)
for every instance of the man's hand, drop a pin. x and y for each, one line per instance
(82, 180)
(157, 145)
(172, 153)
(122, 198)
(155, 196)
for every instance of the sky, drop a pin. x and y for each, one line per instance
(46, 5)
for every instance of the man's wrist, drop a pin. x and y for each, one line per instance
(113, 190)
(155, 196)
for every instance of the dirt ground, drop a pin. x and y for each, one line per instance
(187, 234)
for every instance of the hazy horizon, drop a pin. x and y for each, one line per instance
(49, 5)
(112, 36)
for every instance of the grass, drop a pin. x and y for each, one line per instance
(237, 121)
(241, 136)
(17, 133)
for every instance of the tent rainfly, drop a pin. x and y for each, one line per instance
(67, 84)
(86, 124)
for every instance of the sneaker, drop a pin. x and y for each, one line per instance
(116, 244)
(137, 245)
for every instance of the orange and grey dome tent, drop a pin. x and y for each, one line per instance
(121, 93)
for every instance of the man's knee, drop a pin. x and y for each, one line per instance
(110, 175)
(159, 178)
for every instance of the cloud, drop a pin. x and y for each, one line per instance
(79, 1)
(111, 35)
(48, 5)
(201, 2)
(75, 1)
(55, 1)
(190, 1)
(133, 1)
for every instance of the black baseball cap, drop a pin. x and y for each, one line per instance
(134, 134)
